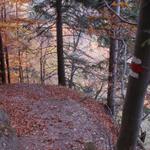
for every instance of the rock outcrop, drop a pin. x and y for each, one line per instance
(8, 138)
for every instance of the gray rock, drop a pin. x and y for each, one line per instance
(8, 138)
(4, 119)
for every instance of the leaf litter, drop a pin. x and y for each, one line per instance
(56, 118)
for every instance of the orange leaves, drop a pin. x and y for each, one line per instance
(91, 30)
(14, 23)
(121, 4)
(92, 18)
(8, 25)
(20, 1)
(16, 16)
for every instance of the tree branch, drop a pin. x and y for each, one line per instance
(121, 18)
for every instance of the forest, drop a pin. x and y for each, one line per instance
(74, 75)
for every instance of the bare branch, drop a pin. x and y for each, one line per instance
(121, 18)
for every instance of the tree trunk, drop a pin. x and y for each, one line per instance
(2, 62)
(2, 59)
(27, 69)
(41, 62)
(4, 17)
(138, 83)
(60, 57)
(21, 78)
(112, 76)
(113, 56)
(73, 67)
(7, 65)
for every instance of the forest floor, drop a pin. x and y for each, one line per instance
(56, 118)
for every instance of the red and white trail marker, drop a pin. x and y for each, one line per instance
(136, 67)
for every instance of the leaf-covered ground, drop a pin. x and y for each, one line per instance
(56, 118)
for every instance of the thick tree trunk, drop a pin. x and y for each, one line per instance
(60, 57)
(138, 83)
(2, 62)
(2, 59)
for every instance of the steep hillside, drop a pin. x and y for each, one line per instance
(56, 118)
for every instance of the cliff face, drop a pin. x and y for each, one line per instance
(54, 118)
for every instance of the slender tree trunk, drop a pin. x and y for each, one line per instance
(6, 50)
(113, 56)
(20, 67)
(60, 57)
(7, 65)
(27, 69)
(44, 69)
(138, 82)
(73, 67)
(2, 62)
(112, 76)
(41, 71)
(41, 63)
(19, 52)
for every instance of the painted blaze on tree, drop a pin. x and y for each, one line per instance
(137, 85)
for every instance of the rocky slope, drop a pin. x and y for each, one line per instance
(56, 118)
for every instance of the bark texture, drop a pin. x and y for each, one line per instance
(137, 86)
(113, 57)
(60, 57)
(2, 63)
(112, 76)
(7, 65)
